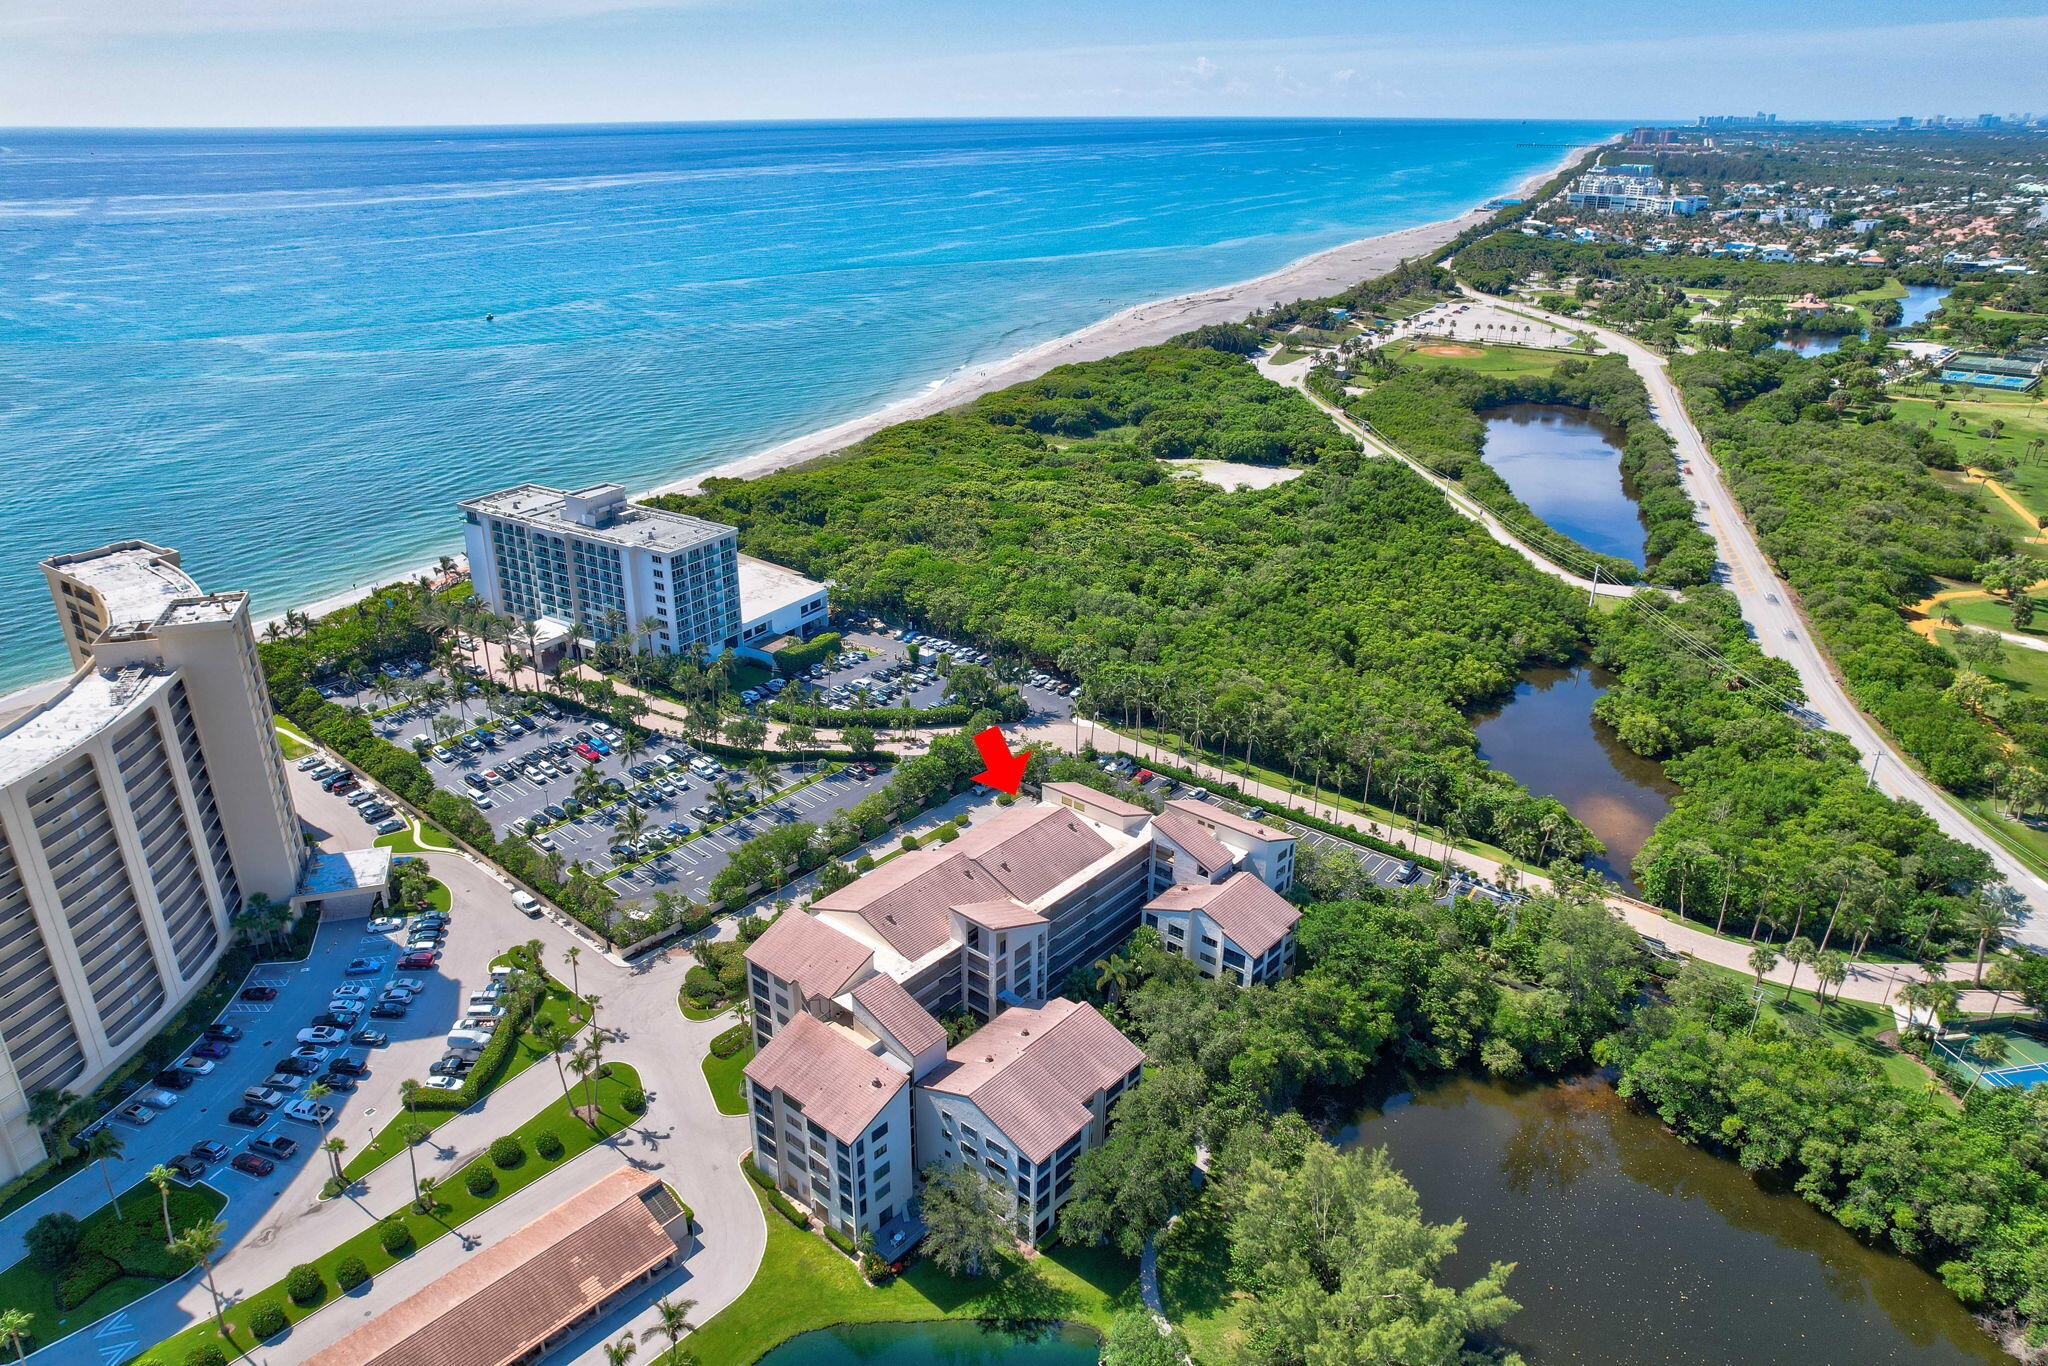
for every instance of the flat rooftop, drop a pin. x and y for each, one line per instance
(92, 701)
(627, 524)
(766, 589)
(136, 580)
(351, 870)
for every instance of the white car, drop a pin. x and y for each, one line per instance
(483, 1010)
(284, 1081)
(544, 840)
(310, 761)
(415, 985)
(136, 1114)
(442, 1084)
(351, 991)
(385, 924)
(158, 1099)
(198, 1067)
(308, 1112)
(325, 1035)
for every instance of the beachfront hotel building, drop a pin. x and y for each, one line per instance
(592, 557)
(141, 805)
(854, 1090)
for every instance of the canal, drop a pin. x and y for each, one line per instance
(1565, 463)
(1635, 1249)
(1547, 738)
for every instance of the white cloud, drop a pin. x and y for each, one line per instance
(118, 18)
(1203, 68)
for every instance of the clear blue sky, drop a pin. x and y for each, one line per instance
(284, 62)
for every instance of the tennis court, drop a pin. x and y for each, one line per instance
(2025, 1063)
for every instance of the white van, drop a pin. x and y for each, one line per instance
(467, 1040)
(526, 902)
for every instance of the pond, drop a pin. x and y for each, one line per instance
(948, 1342)
(1918, 305)
(1547, 737)
(1635, 1249)
(1565, 463)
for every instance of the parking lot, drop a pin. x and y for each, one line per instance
(886, 648)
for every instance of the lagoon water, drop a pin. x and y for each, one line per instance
(1635, 1249)
(271, 349)
(1565, 463)
(952, 1342)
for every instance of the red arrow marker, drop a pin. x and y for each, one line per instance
(1005, 770)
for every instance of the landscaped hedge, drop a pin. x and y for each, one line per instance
(520, 1005)
(875, 718)
(841, 1241)
(776, 1198)
(794, 658)
(109, 1248)
(731, 1041)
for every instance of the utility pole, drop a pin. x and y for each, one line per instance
(1593, 596)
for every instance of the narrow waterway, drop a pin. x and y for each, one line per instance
(1812, 343)
(1547, 737)
(1634, 1249)
(1918, 305)
(950, 1342)
(1565, 463)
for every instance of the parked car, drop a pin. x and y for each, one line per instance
(222, 1033)
(370, 1038)
(419, 958)
(186, 1167)
(209, 1048)
(442, 1084)
(388, 1010)
(298, 1067)
(322, 1035)
(196, 1066)
(363, 967)
(526, 903)
(308, 1112)
(390, 826)
(263, 1096)
(253, 1165)
(284, 1081)
(136, 1114)
(158, 1099)
(449, 1067)
(171, 1079)
(249, 1116)
(209, 1150)
(259, 993)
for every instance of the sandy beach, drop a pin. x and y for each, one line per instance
(1146, 324)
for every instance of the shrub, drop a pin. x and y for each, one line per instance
(840, 1241)
(731, 1042)
(394, 1237)
(491, 1063)
(206, 1354)
(702, 986)
(866, 862)
(303, 1283)
(908, 842)
(53, 1240)
(266, 1319)
(948, 833)
(478, 1181)
(87, 1274)
(775, 1197)
(351, 1273)
(634, 1099)
(548, 1144)
(506, 1153)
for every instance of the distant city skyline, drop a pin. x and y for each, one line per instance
(429, 62)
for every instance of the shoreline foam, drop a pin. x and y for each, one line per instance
(1328, 271)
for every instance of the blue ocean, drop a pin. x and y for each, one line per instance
(271, 349)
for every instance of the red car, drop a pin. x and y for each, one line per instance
(259, 993)
(586, 751)
(419, 958)
(253, 1165)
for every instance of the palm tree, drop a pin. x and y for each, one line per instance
(334, 1148)
(675, 1319)
(15, 1326)
(49, 1105)
(407, 1091)
(1933, 995)
(570, 955)
(1762, 959)
(103, 1144)
(550, 1035)
(415, 1135)
(317, 1092)
(583, 1062)
(1990, 917)
(423, 1194)
(633, 823)
(160, 1177)
(1989, 1052)
(1798, 953)
(620, 1352)
(198, 1246)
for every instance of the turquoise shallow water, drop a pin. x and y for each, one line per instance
(270, 349)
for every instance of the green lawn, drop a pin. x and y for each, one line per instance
(700, 1013)
(135, 1242)
(803, 1283)
(1195, 1287)
(728, 1079)
(2022, 669)
(1491, 360)
(1992, 615)
(558, 1005)
(404, 842)
(453, 1205)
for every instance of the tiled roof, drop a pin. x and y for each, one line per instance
(1203, 847)
(507, 1299)
(895, 1010)
(1254, 915)
(840, 1084)
(1022, 852)
(802, 949)
(1033, 1070)
(1229, 820)
(1005, 914)
(1115, 806)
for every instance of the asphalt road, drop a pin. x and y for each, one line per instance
(1782, 632)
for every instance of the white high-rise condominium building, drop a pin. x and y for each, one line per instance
(141, 806)
(592, 558)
